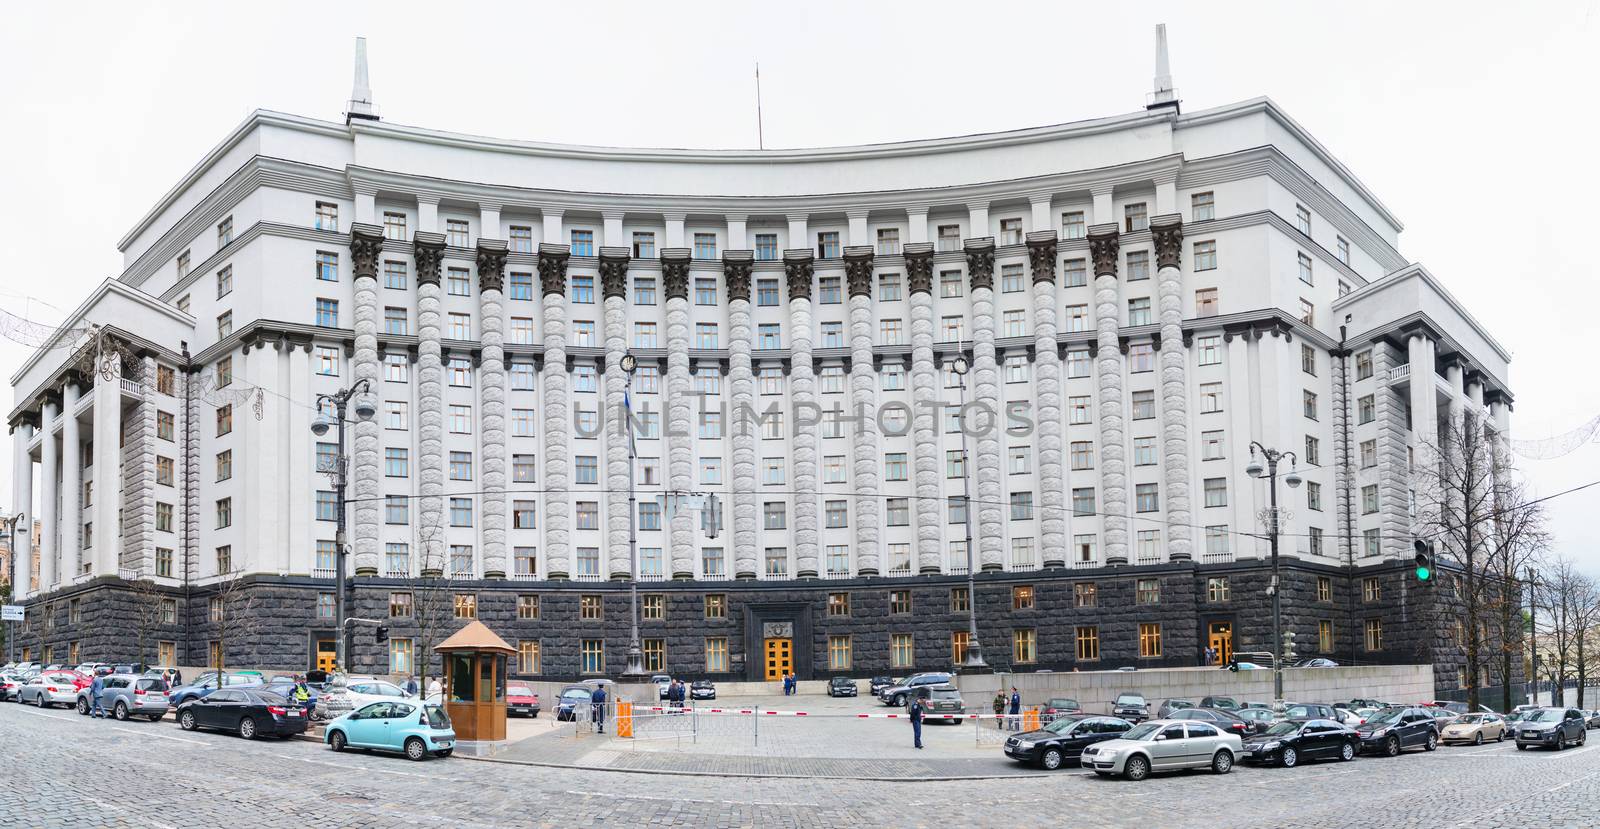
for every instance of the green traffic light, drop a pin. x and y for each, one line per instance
(1423, 573)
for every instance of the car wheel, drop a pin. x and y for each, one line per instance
(336, 741)
(899, 701)
(120, 711)
(1432, 743)
(1347, 752)
(1521, 747)
(1391, 747)
(39, 701)
(1477, 739)
(187, 722)
(247, 728)
(415, 750)
(156, 717)
(1137, 768)
(1561, 742)
(1222, 761)
(1583, 737)
(443, 753)
(1289, 757)
(1051, 759)
(83, 706)
(536, 715)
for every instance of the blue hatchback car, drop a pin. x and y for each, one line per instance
(406, 726)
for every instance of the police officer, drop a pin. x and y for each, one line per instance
(917, 707)
(597, 709)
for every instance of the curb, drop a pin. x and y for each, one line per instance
(757, 775)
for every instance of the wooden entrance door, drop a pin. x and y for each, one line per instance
(327, 654)
(1221, 639)
(779, 662)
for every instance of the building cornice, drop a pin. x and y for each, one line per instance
(109, 286)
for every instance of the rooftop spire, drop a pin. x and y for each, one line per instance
(360, 104)
(1164, 95)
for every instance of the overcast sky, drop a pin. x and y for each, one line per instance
(1476, 129)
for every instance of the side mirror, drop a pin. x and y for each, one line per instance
(1160, 737)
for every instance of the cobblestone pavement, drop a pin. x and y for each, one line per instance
(68, 771)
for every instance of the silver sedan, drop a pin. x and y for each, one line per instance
(49, 689)
(1164, 745)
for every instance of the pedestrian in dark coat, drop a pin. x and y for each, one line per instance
(916, 710)
(597, 703)
(1016, 708)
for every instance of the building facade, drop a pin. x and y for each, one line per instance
(1058, 343)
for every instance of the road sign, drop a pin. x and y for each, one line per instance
(11, 613)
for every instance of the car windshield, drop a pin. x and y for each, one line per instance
(1471, 718)
(1130, 699)
(1283, 729)
(519, 691)
(1547, 715)
(1387, 715)
(1143, 731)
(704, 683)
(575, 693)
(269, 698)
(1061, 726)
(839, 680)
(1063, 703)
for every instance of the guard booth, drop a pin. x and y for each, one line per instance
(475, 682)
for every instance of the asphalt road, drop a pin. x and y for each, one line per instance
(65, 770)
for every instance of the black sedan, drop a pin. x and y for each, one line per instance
(702, 689)
(1063, 739)
(250, 712)
(1290, 741)
(878, 683)
(841, 686)
(1393, 729)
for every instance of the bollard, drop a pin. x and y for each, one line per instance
(624, 719)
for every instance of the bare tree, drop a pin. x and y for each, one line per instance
(432, 600)
(1561, 592)
(233, 615)
(1470, 501)
(148, 601)
(1585, 628)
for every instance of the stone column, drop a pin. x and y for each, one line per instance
(1168, 234)
(49, 498)
(736, 268)
(429, 519)
(926, 405)
(1344, 452)
(366, 245)
(303, 476)
(1047, 393)
(614, 295)
(72, 481)
(557, 414)
(108, 474)
(864, 411)
(991, 528)
(680, 407)
(1424, 400)
(1103, 248)
(803, 383)
(22, 496)
(492, 380)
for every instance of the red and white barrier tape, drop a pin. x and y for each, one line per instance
(821, 714)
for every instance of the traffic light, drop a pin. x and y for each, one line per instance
(382, 633)
(1423, 559)
(1288, 644)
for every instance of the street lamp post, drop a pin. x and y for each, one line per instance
(365, 409)
(635, 669)
(10, 535)
(1255, 470)
(1533, 638)
(973, 661)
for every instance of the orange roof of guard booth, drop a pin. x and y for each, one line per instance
(476, 636)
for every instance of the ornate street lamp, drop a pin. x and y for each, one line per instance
(635, 669)
(1255, 470)
(365, 409)
(973, 663)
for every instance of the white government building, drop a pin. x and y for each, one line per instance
(1150, 291)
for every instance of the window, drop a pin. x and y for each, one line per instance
(900, 650)
(705, 334)
(644, 244)
(1308, 404)
(225, 559)
(1324, 636)
(705, 246)
(1313, 451)
(767, 292)
(164, 569)
(1202, 207)
(1072, 225)
(460, 466)
(183, 265)
(1217, 589)
(1015, 324)
(1210, 398)
(1147, 498)
(1088, 642)
(1374, 634)
(1138, 265)
(888, 241)
(889, 287)
(1369, 454)
(1371, 542)
(582, 242)
(327, 360)
(224, 419)
(705, 292)
(327, 312)
(1369, 499)
(950, 284)
(1137, 217)
(712, 563)
(766, 247)
(1216, 492)
(395, 462)
(224, 513)
(1302, 219)
(1205, 256)
(1342, 250)
(949, 238)
(1083, 501)
(1077, 318)
(1308, 312)
(592, 656)
(716, 654)
(1148, 591)
(1213, 445)
(1363, 365)
(1304, 267)
(716, 606)
(1324, 588)
(1366, 409)
(1024, 646)
(1021, 506)
(828, 244)
(1074, 273)
(1141, 358)
(225, 232)
(1022, 597)
(1371, 590)
(1144, 405)
(897, 512)
(1139, 311)
(1149, 639)
(1313, 496)
(456, 233)
(900, 601)
(950, 329)
(1082, 454)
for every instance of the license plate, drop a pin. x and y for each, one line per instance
(445, 743)
(295, 712)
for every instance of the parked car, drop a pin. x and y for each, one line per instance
(943, 701)
(1131, 707)
(1226, 720)
(1348, 717)
(249, 711)
(1225, 703)
(1474, 728)
(1316, 662)
(1593, 717)
(1359, 703)
(1443, 716)
(520, 701)
(702, 689)
(1461, 708)
(841, 686)
(411, 727)
(1055, 707)
(1163, 745)
(10, 683)
(357, 692)
(896, 695)
(1289, 741)
(126, 695)
(1063, 739)
(1554, 727)
(1259, 717)
(202, 687)
(663, 684)
(569, 699)
(1171, 705)
(1392, 730)
(876, 685)
(284, 685)
(1309, 711)
(49, 689)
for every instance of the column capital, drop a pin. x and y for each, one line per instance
(1168, 234)
(858, 269)
(614, 271)
(491, 264)
(735, 217)
(427, 198)
(613, 214)
(674, 217)
(553, 268)
(797, 263)
(1042, 255)
(552, 212)
(675, 272)
(366, 242)
(736, 268)
(919, 267)
(428, 250)
(1104, 244)
(980, 262)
